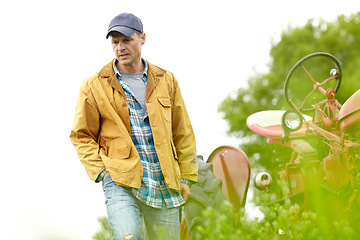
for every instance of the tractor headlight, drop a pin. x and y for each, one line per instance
(263, 181)
(291, 121)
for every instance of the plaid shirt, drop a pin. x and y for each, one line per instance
(153, 186)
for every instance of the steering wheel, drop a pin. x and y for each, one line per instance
(314, 66)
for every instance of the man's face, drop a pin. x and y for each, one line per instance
(128, 49)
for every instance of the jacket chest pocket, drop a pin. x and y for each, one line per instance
(165, 108)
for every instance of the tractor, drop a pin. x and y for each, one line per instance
(321, 174)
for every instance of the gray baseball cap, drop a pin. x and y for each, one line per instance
(125, 23)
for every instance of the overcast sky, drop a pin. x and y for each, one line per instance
(49, 47)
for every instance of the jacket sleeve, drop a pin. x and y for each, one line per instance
(183, 137)
(84, 134)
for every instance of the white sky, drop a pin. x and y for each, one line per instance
(49, 47)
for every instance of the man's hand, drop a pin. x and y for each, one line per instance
(185, 191)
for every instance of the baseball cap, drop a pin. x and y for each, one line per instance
(125, 23)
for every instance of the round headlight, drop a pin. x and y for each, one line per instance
(263, 181)
(292, 120)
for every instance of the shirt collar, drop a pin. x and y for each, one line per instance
(118, 73)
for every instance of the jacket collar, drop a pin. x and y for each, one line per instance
(108, 73)
(144, 73)
(154, 73)
(153, 78)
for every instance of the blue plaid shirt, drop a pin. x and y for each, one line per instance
(153, 187)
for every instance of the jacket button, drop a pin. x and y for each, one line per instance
(124, 104)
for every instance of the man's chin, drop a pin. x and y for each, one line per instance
(124, 62)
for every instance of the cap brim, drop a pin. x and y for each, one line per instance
(121, 29)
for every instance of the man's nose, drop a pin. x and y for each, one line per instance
(120, 46)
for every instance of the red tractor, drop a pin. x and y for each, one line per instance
(323, 172)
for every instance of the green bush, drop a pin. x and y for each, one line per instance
(285, 221)
(279, 221)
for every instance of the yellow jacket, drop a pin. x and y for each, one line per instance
(101, 132)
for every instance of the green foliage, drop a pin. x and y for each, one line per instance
(265, 91)
(280, 222)
(286, 221)
(105, 232)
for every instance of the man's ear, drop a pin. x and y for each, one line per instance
(143, 38)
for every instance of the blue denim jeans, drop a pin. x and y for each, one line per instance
(125, 213)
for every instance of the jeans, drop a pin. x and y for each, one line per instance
(126, 212)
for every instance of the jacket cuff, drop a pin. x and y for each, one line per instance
(188, 182)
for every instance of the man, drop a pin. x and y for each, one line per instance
(133, 133)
